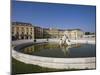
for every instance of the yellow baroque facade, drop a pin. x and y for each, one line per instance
(74, 33)
(22, 31)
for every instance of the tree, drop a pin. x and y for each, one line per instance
(87, 33)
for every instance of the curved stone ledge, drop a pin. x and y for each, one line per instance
(58, 63)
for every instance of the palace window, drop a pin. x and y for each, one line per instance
(26, 29)
(17, 28)
(12, 28)
(22, 28)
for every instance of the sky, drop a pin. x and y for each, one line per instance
(53, 15)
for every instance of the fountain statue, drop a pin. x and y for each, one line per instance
(64, 41)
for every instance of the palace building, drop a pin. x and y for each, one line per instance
(38, 32)
(50, 33)
(58, 33)
(74, 33)
(22, 30)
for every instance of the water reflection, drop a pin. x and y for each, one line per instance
(55, 50)
(49, 46)
(66, 49)
(38, 47)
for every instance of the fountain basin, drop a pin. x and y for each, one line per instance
(53, 62)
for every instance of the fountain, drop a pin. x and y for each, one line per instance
(64, 41)
(52, 55)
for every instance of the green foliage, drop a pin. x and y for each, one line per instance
(22, 68)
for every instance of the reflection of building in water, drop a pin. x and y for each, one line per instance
(29, 50)
(33, 48)
(51, 46)
(39, 47)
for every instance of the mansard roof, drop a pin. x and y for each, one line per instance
(21, 23)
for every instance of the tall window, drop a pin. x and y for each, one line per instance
(31, 29)
(31, 33)
(17, 33)
(22, 29)
(27, 33)
(22, 33)
(12, 32)
(17, 28)
(13, 29)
